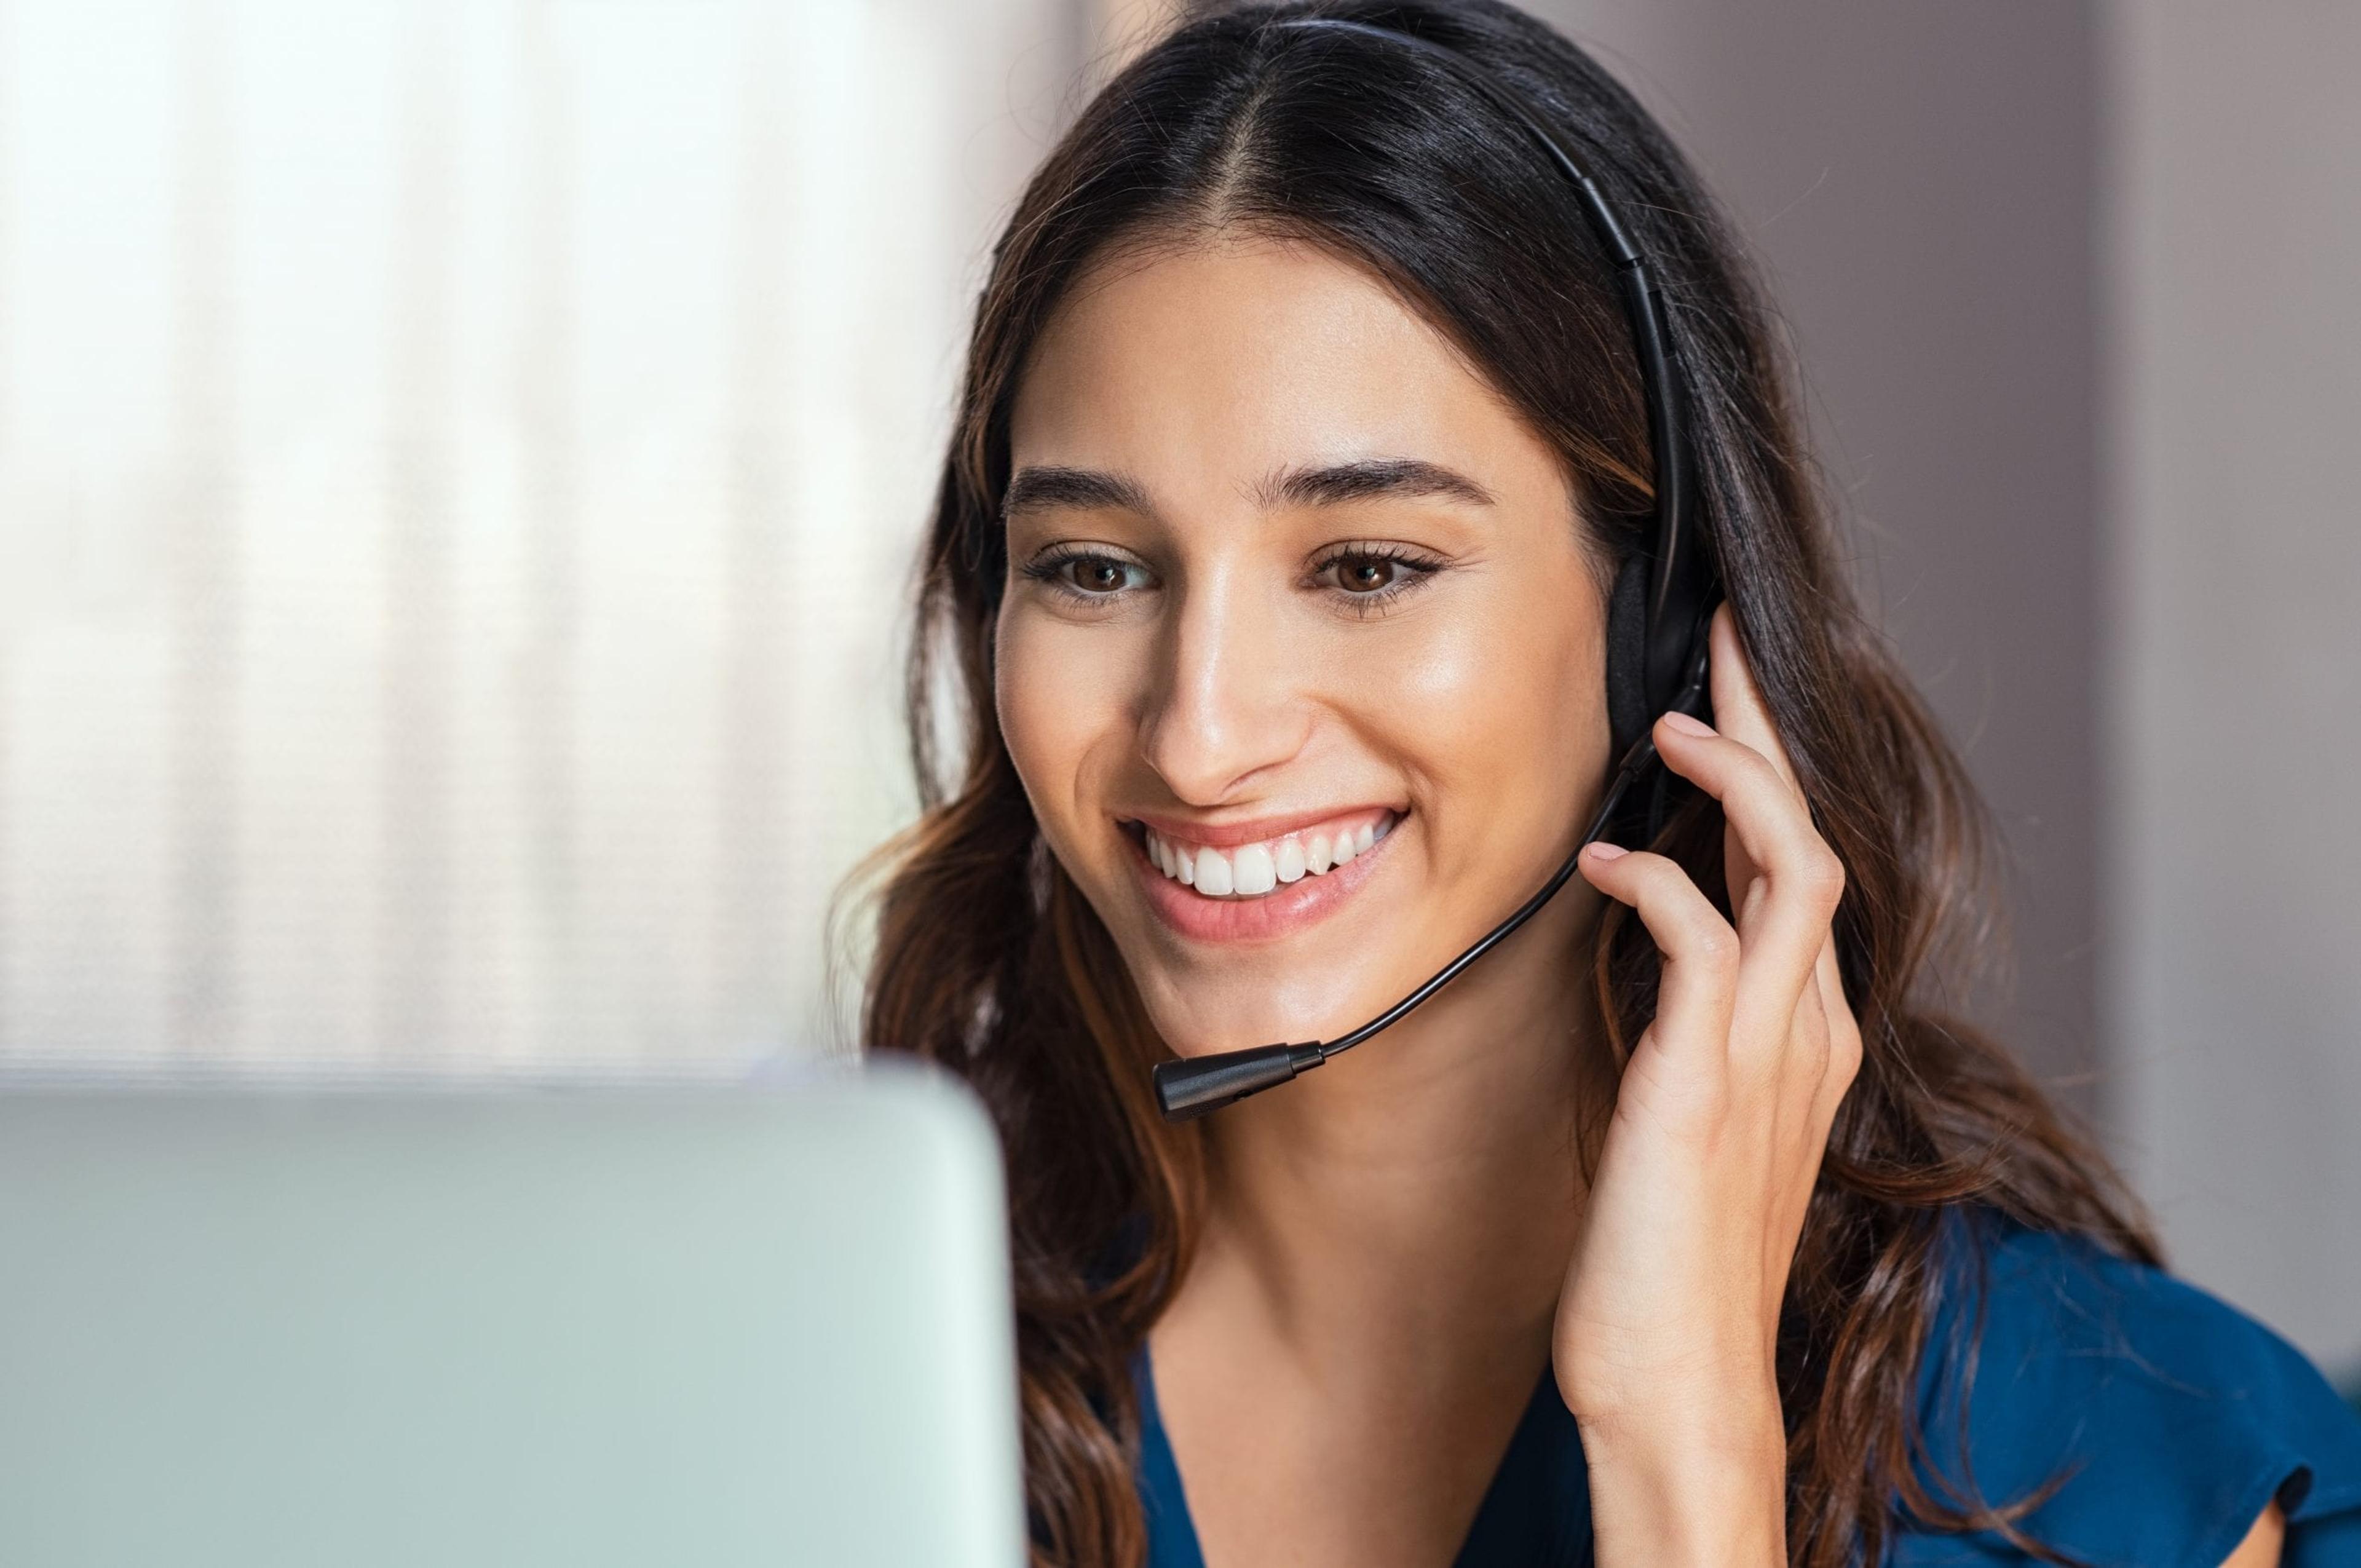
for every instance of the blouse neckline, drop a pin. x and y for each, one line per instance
(1536, 1508)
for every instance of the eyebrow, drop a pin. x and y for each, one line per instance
(1046, 488)
(1368, 478)
(1042, 489)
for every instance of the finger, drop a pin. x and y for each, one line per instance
(1783, 914)
(1800, 1056)
(1695, 997)
(1798, 1070)
(1843, 1064)
(1739, 711)
(1814, 1071)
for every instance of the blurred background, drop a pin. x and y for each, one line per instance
(459, 467)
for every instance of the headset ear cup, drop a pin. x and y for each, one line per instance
(1626, 654)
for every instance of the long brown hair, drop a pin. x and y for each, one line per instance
(989, 960)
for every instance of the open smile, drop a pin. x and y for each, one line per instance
(1217, 885)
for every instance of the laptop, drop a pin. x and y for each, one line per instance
(345, 1325)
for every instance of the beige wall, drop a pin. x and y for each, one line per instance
(2234, 654)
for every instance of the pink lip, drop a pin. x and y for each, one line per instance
(1280, 913)
(1230, 834)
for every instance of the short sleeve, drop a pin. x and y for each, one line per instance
(2171, 1416)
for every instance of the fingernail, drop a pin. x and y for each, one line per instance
(1688, 726)
(1601, 851)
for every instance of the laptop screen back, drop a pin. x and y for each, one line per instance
(244, 1329)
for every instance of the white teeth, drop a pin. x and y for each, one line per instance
(1253, 870)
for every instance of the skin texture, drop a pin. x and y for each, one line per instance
(1378, 1290)
(2263, 1543)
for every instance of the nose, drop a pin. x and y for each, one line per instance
(1225, 702)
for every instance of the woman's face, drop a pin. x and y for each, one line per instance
(1300, 656)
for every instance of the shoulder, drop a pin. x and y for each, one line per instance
(2162, 1418)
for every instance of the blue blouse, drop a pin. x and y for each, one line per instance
(2175, 1416)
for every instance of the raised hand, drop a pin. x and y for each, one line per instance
(1667, 1324)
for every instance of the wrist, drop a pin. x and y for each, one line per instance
(1704, 1485)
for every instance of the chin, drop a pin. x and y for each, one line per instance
(1270, 1016)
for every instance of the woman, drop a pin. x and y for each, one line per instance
(1301, 447)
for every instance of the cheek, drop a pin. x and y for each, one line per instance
(1055, 705)
(1506, 715)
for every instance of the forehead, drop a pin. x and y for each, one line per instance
(1206, 366)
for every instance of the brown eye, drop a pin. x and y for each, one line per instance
(1098, 576)
(1367, 574)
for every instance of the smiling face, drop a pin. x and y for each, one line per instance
(1300, 656)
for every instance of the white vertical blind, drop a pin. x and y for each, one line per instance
(458, 470)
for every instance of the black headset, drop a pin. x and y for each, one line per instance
(1656, 624)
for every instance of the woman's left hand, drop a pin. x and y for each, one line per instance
(1668, 1320)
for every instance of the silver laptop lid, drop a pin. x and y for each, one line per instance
(243, 1328)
